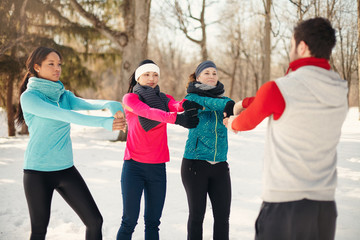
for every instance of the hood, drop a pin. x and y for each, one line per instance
(326, 85)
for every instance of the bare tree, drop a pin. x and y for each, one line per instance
(340, 14)
(17, 19)
(267, 41)
(189, 22)
(358, 48)
(302, 7)
(132, 42)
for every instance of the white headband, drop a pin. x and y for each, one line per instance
(148, 67)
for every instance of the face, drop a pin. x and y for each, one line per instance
(208, 76)
(150, 79)
(50, 68)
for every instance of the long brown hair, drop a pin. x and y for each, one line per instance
(36, 57)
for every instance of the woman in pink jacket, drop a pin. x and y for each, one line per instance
(147, 111)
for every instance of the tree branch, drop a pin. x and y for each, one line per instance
(119, 38)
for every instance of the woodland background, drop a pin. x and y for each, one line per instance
(102, 42)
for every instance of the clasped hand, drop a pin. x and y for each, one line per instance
(189, 118)
(236, 110)
(119, 122)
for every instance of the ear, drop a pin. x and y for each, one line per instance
(303, 50)
(36, 67)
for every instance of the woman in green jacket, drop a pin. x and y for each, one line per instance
(204, 169)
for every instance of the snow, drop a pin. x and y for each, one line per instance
(100, 160)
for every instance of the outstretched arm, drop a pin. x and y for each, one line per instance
(209, 104)
(133, 104)
(175, 106)
(33, 104)
(77, 103)
(268, 100)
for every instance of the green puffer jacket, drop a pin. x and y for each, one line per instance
(208, 141)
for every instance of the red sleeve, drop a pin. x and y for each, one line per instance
(247, 101)
(268, 100)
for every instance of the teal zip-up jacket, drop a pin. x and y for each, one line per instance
(47, 109)
(208, 141)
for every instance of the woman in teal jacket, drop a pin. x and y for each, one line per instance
(47, 109)
(204, 169)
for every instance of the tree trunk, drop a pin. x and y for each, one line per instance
(136, 18)
(204, 51)
(267, 42)
(9, 105)
(183, 18)
(132, 42)
(358, 49)
(17, 18)
(233, 74)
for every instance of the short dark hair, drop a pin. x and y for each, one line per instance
(318, 34)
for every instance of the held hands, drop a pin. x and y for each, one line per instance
(231, 111)
(189, 118)
(186, 120)
(119, 122)
(191, 108)
(228, 122)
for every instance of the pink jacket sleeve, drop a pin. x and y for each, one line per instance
(175, 106)
(133, 104)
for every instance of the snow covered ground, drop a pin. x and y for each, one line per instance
(100, 160)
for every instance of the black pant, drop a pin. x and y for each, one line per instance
(201, 178)
(304, 219)
(39, 187)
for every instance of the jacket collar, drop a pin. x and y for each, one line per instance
(310, 61)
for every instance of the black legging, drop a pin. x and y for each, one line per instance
(39, 187)
(200, 179)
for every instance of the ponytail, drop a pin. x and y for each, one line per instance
(191, 78)
(132, 83)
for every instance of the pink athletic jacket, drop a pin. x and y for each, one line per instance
(151, 146)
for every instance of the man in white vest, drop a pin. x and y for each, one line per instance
(306, 110)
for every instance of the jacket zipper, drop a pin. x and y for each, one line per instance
(215, 136)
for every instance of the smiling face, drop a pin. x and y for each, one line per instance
(50, 68)
(150, 79)
(208, 76)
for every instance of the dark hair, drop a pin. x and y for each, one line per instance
(36, 57)
(318, 34)
(132, 80)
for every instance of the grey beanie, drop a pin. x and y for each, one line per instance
(204, 65)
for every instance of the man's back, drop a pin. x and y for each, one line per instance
(300, 154)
